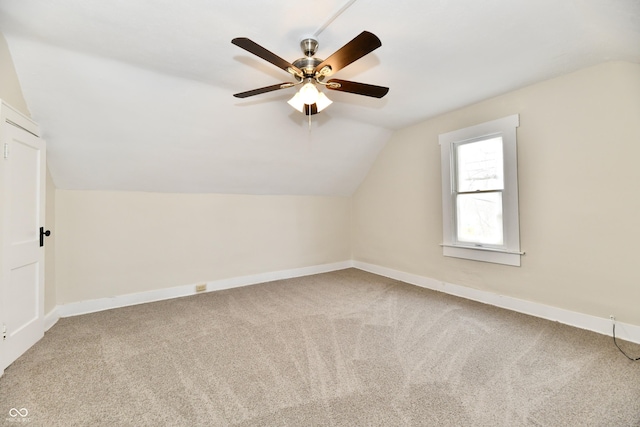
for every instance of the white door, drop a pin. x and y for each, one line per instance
(22, 191)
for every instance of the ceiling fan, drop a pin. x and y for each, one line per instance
(310, 71)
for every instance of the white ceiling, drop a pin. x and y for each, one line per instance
(137, 94)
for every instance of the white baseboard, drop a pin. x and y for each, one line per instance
(600, 325)
(51, 318)
(91, 306)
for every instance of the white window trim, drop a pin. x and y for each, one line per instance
(510, 253)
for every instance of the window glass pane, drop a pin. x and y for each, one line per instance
(480, 218)
(480, 165)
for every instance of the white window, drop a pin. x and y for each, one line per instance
(480, 192)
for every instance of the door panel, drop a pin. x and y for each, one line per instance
(24, 158)
(22, 292)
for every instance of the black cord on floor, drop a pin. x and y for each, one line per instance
(621, 351)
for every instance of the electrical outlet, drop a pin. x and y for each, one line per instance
(612, 317)
(201, 288)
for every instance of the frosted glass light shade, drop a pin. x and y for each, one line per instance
(322, 102)
(296, 102)
(309, 93)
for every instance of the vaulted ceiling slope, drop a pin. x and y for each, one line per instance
(137, 94)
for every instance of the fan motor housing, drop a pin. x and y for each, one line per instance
(307, 65)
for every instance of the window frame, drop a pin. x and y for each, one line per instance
(509, 253)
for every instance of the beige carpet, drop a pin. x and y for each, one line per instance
(346, 348)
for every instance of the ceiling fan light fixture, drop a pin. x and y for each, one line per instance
(309, 93)
(321, 103)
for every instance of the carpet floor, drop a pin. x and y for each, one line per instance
(346, 348)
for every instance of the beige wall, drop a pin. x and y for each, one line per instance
(116, 243)
(579, 183)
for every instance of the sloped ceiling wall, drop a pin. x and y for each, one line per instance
(137, 95)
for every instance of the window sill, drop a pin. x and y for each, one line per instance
(497, 256)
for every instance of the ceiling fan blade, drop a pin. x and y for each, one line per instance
(357, 88)
(256, 49)
(363, 44)
(263, 90)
